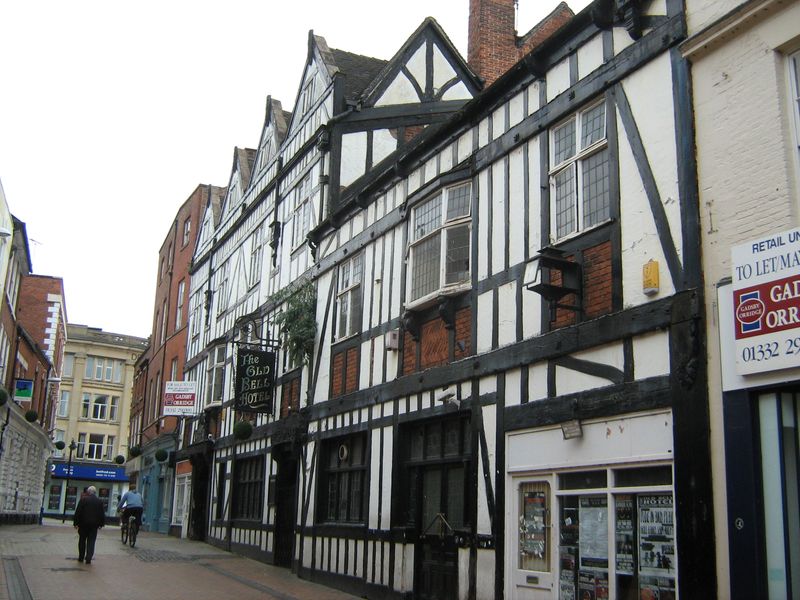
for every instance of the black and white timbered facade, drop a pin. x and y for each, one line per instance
(505, 394)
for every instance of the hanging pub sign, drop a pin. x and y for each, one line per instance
(255, 380)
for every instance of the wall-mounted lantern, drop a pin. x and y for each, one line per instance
(571, 278)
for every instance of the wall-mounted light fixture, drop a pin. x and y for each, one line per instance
(571, 278)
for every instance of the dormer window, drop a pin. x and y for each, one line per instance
(439, 252)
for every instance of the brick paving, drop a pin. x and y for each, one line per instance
(39, 564)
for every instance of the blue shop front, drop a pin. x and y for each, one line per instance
(66, 483)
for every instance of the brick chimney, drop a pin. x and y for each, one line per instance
(493, 46)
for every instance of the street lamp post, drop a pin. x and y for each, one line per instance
(72, 446)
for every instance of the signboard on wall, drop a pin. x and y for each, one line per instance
(180, 398)
(23, 390)
(88, 472)
(255, 380)
(766, 303)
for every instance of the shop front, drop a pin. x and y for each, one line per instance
(66, 483)
(592, 516)
(759, 338)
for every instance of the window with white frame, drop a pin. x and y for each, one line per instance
(110, 440)
(349, 297)
(86, 405)
(81, 449)
(63, 404)
(580, 172)
(301, 218)
(256, 250)
(113, 409)
(187, 229)
(5, 350)
(215, 375)
(100, 408)
(173, 370)
(69, 365)
(103, 369)
(12, 281)
(440, 243)
(163, 331)
(179, 305)
(96, 446)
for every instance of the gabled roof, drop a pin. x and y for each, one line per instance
(359, 71)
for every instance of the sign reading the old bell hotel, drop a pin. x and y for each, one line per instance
(766, 303)
(255, 380)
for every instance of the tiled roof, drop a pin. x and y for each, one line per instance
(359, 71)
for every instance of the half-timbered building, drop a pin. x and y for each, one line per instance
(486, 315)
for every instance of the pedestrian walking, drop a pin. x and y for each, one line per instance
(89, 517)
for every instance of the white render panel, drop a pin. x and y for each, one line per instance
(414, 180)
(569, 381)
(463, 574)
(487, 385)
(365, 359)
(640, 241)
(609, 354)
(590, 56)
(516, 109)
(374, 474)
(386, 493)
(483, 132)
(483, 223)
(396, 300)
(498, 233)
(458, 92)
(446, 159)
(531, 311)
(308, 549)
(507, 316)
(649, 92)
(557, 79)
(513, 388)
(400, 91)
(483, 336)
(379, 357)
(484, 585)
(499, 122)
(651, 355)
(537, 382)
(645, 436)
(483, 524)
(442, 70)
(622, 39)
(534, 198)
(464, 146)
(490, 431)
(516, 206)
(533, 97)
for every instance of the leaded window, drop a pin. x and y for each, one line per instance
(349, 297)
(249, 488)
(580, 172)
(343, 479)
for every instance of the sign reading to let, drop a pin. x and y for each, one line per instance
(766, 303)
(180, 398)
(255, 380)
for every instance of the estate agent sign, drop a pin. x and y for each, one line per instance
(179, 398)
(766, 303)
(255, 380)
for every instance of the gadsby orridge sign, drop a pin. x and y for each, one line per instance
(766, 302)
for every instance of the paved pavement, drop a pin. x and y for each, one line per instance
(39, 563)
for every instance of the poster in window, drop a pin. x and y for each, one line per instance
(532, 525)
(592, 585)
(624, 535)
(568, 571)
(656, 534)
(593, 532)
(566, 590)
(656, 588)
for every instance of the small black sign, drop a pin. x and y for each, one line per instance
(255, 380)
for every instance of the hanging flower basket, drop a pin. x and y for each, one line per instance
(134, 451)
(242, 430)
(31, 416)
(3, 396)
(161, 455)
(60, 445)
(119, 459)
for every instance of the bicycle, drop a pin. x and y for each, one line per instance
(129, 531)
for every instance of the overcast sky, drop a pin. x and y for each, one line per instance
(112, 112)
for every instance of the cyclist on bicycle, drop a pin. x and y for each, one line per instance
(131, 503)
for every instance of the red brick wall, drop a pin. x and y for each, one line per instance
(409, 354)
(290, 397)
(463, 324)
(597, 287)
(493, 46)
(435, 343)
(337, 375)
(351, 371)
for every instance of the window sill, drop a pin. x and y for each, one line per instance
(435, 297)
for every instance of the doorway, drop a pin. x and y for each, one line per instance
(285, 509)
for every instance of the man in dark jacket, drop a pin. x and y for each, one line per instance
(89, 517)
